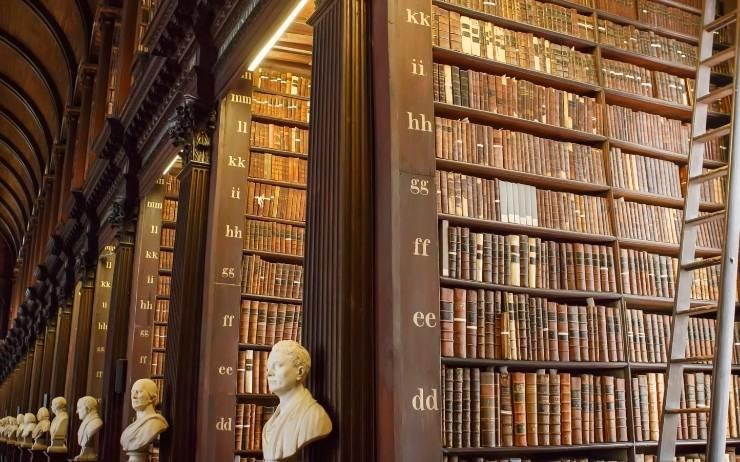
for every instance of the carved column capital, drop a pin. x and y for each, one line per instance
(191, 130)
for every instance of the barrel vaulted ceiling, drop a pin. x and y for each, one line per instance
(42, 43)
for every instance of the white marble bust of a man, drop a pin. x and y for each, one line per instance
(87, 411)
(41, 431)
(19, 428)
(148, 424)
(4, 422)
(59, 426)
(298, 419)
(29, 424)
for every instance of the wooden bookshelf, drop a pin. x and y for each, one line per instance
(279, 121)
(275, 256)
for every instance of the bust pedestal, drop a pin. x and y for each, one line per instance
(36, 455)
(86, 455)
(56, 456)
(138, 456)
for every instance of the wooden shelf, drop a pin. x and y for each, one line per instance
(657, 367)
(156, 376)
(256, 397)
(545, 450)
(285, 184)
(169, 224)
(655, 303)
(634, 148)
(682, 443)
(555, 37)
(515, 123)
(162, 350)
(533, 365)
(166, 272)
(675, 68)
(277, 93)
(665, 32)
(284, 257)
(663, 201)
(555, 294)
(557, 184)
(278, 152)
(160, 323)
(171, 196)
(275, 220)
(249, 453)
(648, 104)
(279, 121)
(166, 247)
(679, 5)
(163, 297)
(272, 299)
(254, 346)
(529, 230)
(446, 56)
(664, 247)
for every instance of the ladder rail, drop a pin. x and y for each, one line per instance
(724, 341)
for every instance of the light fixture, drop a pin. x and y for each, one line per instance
(276, 36)
(172, 164)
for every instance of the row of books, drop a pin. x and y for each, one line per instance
(266, 200)
(644, 174)
(519, 260)
(639, 457)
(666, 17)
(648, 129)
(714, 191)
(171, 185)
(251, 374)
(506, 202)
(281, 82)
(273, 136)
(484, 408)
(650, 274)
(167, 237)
(541, 14)
(269, 236)
(489, 324)
(509, 96)
(161, 310)
(625, 8)
(661, 224)
(647, 405)
(164, 282)
(635, 79)
(278, 168)
(166, 258)
(157, 366)
(457, 32)
(262, 277)
(169, 210)
(730, 456)
(464, 141)
(159, 336)
(648, 337)
(646, 43)
(284, 107)
(250, 419)
(263, 323)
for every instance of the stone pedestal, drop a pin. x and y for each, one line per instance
(37, 455)
(138, 456)
(56, 456)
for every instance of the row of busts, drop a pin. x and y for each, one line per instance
(37, 432)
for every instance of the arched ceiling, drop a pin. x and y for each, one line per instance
(42, 42)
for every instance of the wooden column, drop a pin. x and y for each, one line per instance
(115, 347)
(47, 361)
(100, 91)
(83, 128)
(61, 350)
(38, 357)
(99, 321)
(338, 300)
(186, 302)
(73, 115)
(126, 51)
(76, 379)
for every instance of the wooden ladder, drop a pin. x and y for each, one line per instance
(724, 308)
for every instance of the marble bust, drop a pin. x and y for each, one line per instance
(87, 411)
(40, 433)
(137, 437)
(19, 429)
(4, 423)
(298, 419)
(59, 425)
(29, 424)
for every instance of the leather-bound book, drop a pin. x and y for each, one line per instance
(446, 321)
(608, 389)
(475, 408)
(620, 409)
(471, 326)
(460, 323)
(543, 408)
(507, 410)
(576, 410)
(457, 409)
(530, 401)
(487, 408)
(562, 326)
(518, 386)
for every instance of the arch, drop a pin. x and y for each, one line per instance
(41, 72)
(22, 159)
(19, 228)
(26, 135)
(18, 220)
(83, 9)
(59, 37)
(9, 238)
(27, 194)
(29, 105)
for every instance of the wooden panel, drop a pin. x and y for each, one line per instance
(10, 101)
(46, 364)
(99, 322)
(26, 79)
(61, 350)
(71, 23)
(38, 358)
(220, 332)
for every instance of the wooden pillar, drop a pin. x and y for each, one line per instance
(73, 115)
(338, 298)
(28, 372)
(47, 363)
(76, 378)
(116, 343)
(56, 191)
(186, 302)
(83, 128)
(38, 357)
(61, 350)
(100, 91)
(126, 51)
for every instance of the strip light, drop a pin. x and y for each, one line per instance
(172, 164)
(276, 36)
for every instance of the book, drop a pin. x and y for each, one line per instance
(250, 419)
(648, 129)
(264, 277)
(265, 323)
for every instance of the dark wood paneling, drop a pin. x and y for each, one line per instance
(338, 301)
(47, 364)
(61, 350)
(99, 321)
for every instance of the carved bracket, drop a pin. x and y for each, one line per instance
(191, 130)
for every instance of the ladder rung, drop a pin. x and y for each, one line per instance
(697, 310)
(708, 218)
(692, 359)
(709, 135)
(703, 263)
(716, 94)
(710, 175)
(722, 21)
(688, 410)
(720, 57)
